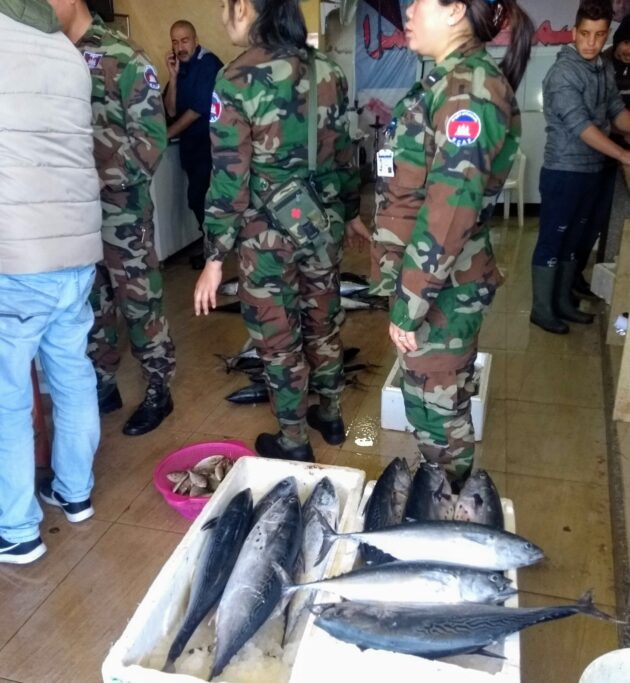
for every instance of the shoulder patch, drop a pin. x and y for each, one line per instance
(216, 108)
(93, 59)
(150, 77)
(463, 128)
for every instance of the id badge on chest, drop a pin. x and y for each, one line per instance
(385, 163)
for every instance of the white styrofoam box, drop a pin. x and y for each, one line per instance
(321, 657)
(603, 281)
(393, 405)
(153, 626)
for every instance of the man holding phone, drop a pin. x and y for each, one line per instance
(188, 102)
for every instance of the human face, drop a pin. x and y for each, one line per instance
(431, 26)
(620, 9)
(237, 19)
(184, 42)
(590, 37)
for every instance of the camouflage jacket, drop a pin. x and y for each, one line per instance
(128, 115)
(259, 133)
(453, 137)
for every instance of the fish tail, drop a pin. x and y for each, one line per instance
(288, 588)
(329, 537)
(586, 606)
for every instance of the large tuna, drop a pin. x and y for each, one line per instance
(431, 497)
(479, 501)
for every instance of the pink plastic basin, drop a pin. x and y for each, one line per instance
(186, 458)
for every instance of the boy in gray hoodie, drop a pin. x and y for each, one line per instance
(580, 102)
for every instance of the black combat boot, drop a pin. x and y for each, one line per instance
(109, 399)
(333, 431)
(269, 446)
(157, 405)
(563, 304)
(543, 315)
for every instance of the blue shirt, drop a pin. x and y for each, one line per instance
(195, 85)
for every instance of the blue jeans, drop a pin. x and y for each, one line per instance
(50, 314)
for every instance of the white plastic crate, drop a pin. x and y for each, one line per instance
(323, 658)
(603, 281)
(153, 626)
(393, 405)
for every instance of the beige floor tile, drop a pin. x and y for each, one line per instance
(570, 521)
(68, 637)
(558, 380)
(498, 374)
(24, 589)
(524, 336)
(493, 335)
(564, 443)
(490, 451)
(559, 651)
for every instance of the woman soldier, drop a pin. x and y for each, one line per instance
(288, 286)
(452, 141)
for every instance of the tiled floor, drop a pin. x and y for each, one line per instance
(545, 444)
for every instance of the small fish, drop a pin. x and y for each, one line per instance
(350, 284)
(359, 302)
(434, 631)
(253, 393)
(479, 501)
(431, 496)
(387, 504)
(229, 287)
(217, 557)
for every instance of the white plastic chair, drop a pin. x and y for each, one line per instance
(516, 182)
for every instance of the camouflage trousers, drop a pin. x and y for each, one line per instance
(437, 379)
(291, 307)
(129, 280)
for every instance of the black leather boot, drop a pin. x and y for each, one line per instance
(109, 399)
(563, 304)
(543, 315)
(333, 431)
(157, 405)
(269, 446)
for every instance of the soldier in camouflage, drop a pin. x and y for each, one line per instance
(129, 139)
(289, 294)
(448, 151)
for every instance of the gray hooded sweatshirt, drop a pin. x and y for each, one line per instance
(577, 93)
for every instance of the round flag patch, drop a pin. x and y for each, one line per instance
(151, 78)
(463, 128)
(216, 108)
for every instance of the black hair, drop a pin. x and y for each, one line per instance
(488, 17)
(595, 10)
(279, 26)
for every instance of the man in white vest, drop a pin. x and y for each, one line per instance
(49, 242)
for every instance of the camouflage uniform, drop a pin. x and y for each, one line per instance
(289, 297)
(129, 139)
(454, 138)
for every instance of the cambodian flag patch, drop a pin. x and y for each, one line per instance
(93, 59)
(463, 128)
(150, 77)
(216, 108)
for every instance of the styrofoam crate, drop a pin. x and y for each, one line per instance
(603, 281)
(323, 658)
(155, 621)
(393, 405)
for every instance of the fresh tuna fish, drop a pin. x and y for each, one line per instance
(387, 504)
(254, 588)
(285, 487)
(358, 302)
(229, 287)
(435, 631)
(251, 394)
(413, 582)
(479, 501)
(459, 543)
(216, 560)
(325, 501)
(431, 497)
(352, 284)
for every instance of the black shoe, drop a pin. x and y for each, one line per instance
(581, 289)
(157, 405)
(269, 446)
(21, 553)
(197, 261)
(333, 431)
(74, 512)
(109, 399)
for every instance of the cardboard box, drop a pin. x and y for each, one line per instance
(139, 654)
(393, 406)
(323, 658)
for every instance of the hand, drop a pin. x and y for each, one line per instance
(403, 341)
(625, 158)
(207, 286)
(357, 234)
(172, 64)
